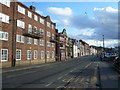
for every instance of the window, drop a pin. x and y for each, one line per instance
(48, 34)
(48, 54)
(42, 54)
(53, 44)
(4, 18)
(62, 39)
(41, 20)
(35, 41)
(35, 54)
(21, 9)
(41, 31)
(42, 42)
(48, 24)
(35, 29)
(35, 17)
(52, 26)
(53, 36)
(29, 28)
(5, 2)
(29, 14)
(29, 40)
(29, 54)
(4, 54)
(48, 44)
(20, 38)
(20, 24)
(3, 35)
(52, 54)
(18, 54)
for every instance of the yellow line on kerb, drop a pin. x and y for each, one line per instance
(24, 68)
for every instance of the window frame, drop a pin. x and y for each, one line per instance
(20, 54)
(35, 54)
(2, 55)
(29, 55)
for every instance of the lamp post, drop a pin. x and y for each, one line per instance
(103, 47)
(14, 32)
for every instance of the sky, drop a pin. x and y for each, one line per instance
(88, 21)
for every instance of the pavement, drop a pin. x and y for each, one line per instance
(83, 72)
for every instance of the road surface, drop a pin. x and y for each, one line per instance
(83, 72)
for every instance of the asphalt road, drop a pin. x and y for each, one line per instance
(77, 73)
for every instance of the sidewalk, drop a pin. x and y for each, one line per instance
(108, 76)
(19, 68)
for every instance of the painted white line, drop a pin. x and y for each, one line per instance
(48, 84)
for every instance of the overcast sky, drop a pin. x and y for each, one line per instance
(83, 20)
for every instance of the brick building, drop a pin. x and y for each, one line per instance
(25, 36)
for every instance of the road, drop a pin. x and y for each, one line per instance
(83, 72)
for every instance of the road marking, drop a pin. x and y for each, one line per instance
(48, 84)
(76, 79)
(60, 77)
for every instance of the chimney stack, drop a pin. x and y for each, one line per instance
(32, 8)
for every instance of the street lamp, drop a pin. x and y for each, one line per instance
(103, 47)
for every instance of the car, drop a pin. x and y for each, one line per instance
(116, 63)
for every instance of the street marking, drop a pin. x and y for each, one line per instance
(88, 65)
(49, 84)
(76, 79)
(60, 77)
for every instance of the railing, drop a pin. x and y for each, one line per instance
(33, 34)
(53, 40)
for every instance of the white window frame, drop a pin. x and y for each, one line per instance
(48, 54)
(48, 44)
(42, 42)
(35, 41)
(21, 9)
(53, 54)
(42, 55)
(48, 24)
(52, 44)
(48, 34)
(4, 18)
(35, 29)
(35, 54)
(4, 36)
(29, 28)
(29, 14)
(53, 27)
(41, 31)
(19, 54)
(5, 55)
(29, 40)
(29, 58)
(35, 17)
(20, 38)
(5, 2)
(20, 24)
(42, 21)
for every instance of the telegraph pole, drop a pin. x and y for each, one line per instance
(103, 47)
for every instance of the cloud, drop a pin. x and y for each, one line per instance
(65, 12)
(39, 12)
(104, 22)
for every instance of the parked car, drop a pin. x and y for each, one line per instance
(116, 63)
(108, 56)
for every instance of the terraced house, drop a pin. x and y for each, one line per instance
(26, 37)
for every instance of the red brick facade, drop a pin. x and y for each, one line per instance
(13, 30)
